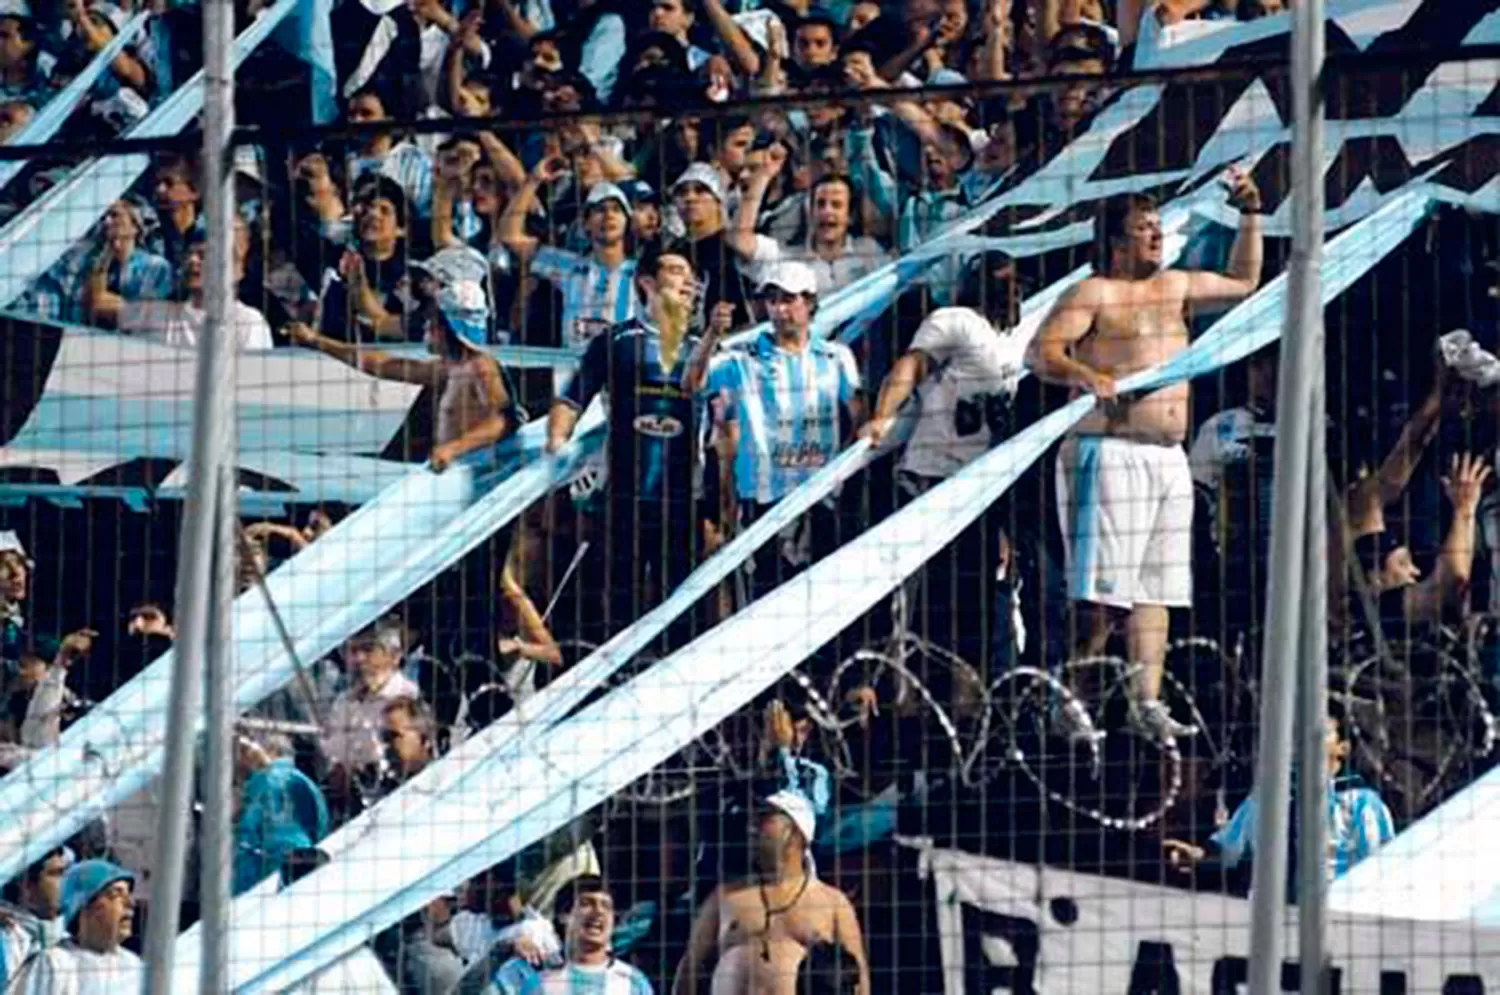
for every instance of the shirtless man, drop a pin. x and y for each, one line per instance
(1125, 493)
(474, 409)
(759, 930)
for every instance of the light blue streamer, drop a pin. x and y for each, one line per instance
(370, 561)
(40, 129)
(309, 36)
(33, 241)
(592, 756)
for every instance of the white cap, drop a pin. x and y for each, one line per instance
(601, 192)
(790, 276)
(705, 176)
(11, 543)
(795, 806)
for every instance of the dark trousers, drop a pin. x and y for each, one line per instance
(812, 537)
(651, 545)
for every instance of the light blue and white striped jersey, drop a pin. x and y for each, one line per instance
(409, 166)
(1357, 823)
(594, 298)
(517, 977)
(787, 405)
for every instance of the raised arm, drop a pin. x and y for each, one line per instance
(695, 377)
(513, 221)
(1445, 588)
(1365, 504)
(1210, 290)
(740, 237)
(702, 942)
(422, 372)
(1049, 354)
(732, 36)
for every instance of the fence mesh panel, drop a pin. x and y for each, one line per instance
(673, 551)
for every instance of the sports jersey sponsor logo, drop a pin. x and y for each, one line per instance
(658, 426)
(800, 455)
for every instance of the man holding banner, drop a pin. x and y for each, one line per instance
(1125, 492)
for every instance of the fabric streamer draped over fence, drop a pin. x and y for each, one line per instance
(519, 794)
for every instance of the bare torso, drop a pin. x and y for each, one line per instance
(1139, 324)
(464, 402)
(755, 959)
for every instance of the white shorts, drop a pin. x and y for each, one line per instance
(1127, 514)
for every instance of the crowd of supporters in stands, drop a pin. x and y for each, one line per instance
(645, 244)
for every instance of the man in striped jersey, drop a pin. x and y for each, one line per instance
(786, 402)
(597, 289)
(588, 911)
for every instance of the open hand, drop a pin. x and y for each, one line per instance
(1464, 484)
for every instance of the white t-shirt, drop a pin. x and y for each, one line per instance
(861, 257)
(179, 323)
(975, 370)
(71, 970)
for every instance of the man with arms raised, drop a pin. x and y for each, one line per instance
(1125, 492)
(758, 931)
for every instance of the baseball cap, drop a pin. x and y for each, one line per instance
(84, 881)
(704, 175)
(641, 192)
(795, 806)
(601, 192)
(789, 276)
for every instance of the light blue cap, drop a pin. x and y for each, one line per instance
(84, 881)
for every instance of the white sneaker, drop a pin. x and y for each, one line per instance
(1152, 720)
(1074, 721)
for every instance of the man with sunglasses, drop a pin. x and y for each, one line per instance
(963, 366)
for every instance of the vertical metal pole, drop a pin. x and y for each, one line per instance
(221, 285)
(217, 848)
(1291, 535)
(202, 599)
(1307, 259)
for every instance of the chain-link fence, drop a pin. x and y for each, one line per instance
(772, 499)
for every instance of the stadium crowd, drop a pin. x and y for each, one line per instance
(645, 244)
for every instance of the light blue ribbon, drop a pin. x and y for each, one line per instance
(539, 777)
(368, 562)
